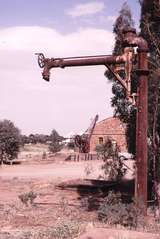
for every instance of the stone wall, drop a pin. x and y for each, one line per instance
(111, 128)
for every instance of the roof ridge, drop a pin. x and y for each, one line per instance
(112, 117)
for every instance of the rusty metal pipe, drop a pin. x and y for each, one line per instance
(142, 116)
(141, 131)
(132, 40)
(85, 61)
(79, 61)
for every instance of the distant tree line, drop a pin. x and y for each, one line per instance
(11, 140)
(41, 138)
(35, 139)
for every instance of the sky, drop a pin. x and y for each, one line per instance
(61, 28)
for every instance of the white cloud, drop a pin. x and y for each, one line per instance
(111, 19)
(84, 9)
(35, 39)
(73, 95)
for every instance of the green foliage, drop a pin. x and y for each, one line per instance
(150, 30)
(150, 17)
(71, 145)
(28, 198)
(54, 136)
(113, 211)
(9, 140)
(62, 230)
(55, 147)
(122, 107)
(88, 169)
(106, 150)
(35, 138)
(124, 20)
(113, 167)
(56, 142)
(66, 230)
(24, 140)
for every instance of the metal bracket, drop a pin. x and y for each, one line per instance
(117, 76)
(126, 82)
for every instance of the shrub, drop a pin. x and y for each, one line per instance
(113, 166)
(55, 147)
(62, 230)
(88, 169)
(113, 211)
(27, 198)
(55, 142)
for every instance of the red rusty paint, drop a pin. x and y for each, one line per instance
(132, 39)
(48, 64)
(142, 127)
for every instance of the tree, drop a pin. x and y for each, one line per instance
(35, 138)
(55, 142)
(150, 30)
(24, 140)
(42, 138)
(122, 107)
(9, 141)
(113, 167)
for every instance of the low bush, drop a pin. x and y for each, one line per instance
(113, 167)
(113, 211)
(28, 198)
(65, 230)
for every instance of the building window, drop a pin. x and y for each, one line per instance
(100, 140)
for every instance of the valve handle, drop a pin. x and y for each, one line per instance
(41, 59)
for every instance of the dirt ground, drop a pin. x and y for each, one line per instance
(54, 204)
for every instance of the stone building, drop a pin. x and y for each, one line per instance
(111, 128)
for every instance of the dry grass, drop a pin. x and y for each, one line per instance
(55, 213)
(31, 150)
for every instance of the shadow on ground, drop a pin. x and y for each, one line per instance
(94, 191)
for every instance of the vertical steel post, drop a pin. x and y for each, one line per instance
(131, 39)
(141, 131)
